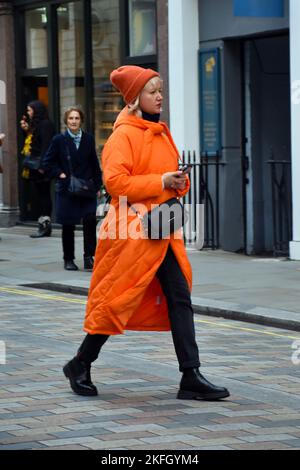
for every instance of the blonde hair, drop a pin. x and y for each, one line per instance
(134, 107)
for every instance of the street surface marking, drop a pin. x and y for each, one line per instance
(250, 330)
(11, 290)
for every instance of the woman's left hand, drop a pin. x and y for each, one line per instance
(174, 180)
(179, 182)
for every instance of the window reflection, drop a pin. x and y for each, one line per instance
(142, 27)
(106, 57)
(36, 38)
(71, 55)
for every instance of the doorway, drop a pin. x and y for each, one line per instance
(267, 136)
(33, 88)
(52, 64)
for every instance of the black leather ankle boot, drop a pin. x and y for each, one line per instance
(194, 386)
(88, 263)
(79, 374)
(69, 265)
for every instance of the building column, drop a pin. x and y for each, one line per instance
(295, 124)
(184, 74)
(9, 212)
(163, 53)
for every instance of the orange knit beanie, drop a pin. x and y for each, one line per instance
(130, 80)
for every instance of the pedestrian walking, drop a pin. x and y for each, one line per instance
(72, 155)
(38, 131)
(140, 283)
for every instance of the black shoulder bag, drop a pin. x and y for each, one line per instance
(32, 162)
(78, 186)
(163, 220)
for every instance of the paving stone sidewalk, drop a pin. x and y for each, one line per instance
(137, 377)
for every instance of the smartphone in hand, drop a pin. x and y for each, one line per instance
(186, 168)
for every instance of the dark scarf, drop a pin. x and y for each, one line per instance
(150, 117)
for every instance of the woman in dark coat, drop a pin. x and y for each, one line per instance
(71, 209)
(36, 123)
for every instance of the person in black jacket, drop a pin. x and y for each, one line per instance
(73, 152)
(39, 131)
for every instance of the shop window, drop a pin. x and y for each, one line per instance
(36, 38)
(106, 57)
(142, 27)
(71, 56)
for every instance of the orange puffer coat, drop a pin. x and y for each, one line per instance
(124, 293)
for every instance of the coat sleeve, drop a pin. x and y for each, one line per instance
(117, 165)
(182, 192)
(51, 161)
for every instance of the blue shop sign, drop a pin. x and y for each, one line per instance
(210, 102)
(259, 8)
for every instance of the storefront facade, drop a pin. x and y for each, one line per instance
(252, 40)
(66, 50)
(64, 53)
(238, 72)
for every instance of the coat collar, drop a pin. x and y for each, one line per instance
(70, 141)
(150, 128)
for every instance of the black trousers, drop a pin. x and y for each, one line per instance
(89, 238)
(43, 188)
(181, 317)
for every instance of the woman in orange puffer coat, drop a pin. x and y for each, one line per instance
(140, 283)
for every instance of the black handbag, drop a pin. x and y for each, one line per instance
(31, 162)
(163, 220)
(80, 187)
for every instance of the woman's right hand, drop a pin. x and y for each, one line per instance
(62, 176)
(174, 180)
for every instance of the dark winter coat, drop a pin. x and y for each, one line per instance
(85, 164)
(42, 134)
(41, 138)
(42, 130)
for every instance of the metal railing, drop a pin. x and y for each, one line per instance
(281, 205)
(203, 199)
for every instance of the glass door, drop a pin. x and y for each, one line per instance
(71, 56)
(33, 61)
(106, 56)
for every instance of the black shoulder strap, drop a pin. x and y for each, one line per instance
(68, 155)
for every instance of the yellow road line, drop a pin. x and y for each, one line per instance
(250, 330)
(11, 290)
